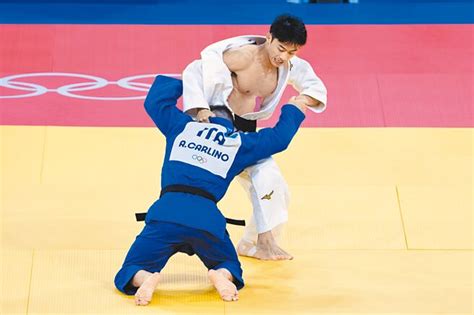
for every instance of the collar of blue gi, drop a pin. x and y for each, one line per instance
(223, 122)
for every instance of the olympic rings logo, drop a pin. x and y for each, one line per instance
(199, 158)
(16, 82)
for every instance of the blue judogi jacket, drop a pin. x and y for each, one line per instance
(206, 156)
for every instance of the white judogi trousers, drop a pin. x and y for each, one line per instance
(270, 199)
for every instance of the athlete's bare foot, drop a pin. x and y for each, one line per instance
(222, 281)
(147, 283)
(265, 249)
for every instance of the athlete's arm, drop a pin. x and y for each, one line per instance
(160, 103)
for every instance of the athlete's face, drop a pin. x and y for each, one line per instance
(279, 52)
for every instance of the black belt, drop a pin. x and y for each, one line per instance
(245, 125)
(191, 190)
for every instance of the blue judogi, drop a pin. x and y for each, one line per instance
(206, 156)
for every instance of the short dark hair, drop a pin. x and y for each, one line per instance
(222, 111)
(289, 29)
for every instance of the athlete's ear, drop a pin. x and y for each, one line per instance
(269, 37)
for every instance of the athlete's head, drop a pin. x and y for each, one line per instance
(287, 35)
(222, 111)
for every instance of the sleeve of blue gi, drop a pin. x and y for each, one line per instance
(160, 104)
(268, 141)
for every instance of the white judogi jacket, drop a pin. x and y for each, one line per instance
(208, 80)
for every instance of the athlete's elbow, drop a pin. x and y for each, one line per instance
(282, 144)
(152, 109)
(148, 107)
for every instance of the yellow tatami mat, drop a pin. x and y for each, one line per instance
(16, 280)
(438, 217)
(83, 281)
(381, 221)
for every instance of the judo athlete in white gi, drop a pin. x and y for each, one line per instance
(249, 74)
(201, 159)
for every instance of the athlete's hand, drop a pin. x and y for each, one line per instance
(310, 102)
(204, 114)
(299, 101)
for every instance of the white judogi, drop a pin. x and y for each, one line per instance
(208, 81)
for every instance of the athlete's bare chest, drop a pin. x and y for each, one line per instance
(254, 81)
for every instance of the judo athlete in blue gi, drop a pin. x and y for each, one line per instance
(201, 159)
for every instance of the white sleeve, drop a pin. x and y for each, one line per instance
(193, 87)
(305, 81)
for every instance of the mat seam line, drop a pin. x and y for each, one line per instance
(401, 217)
(31, 280)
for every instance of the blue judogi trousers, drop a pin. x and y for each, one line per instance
(158, 241)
